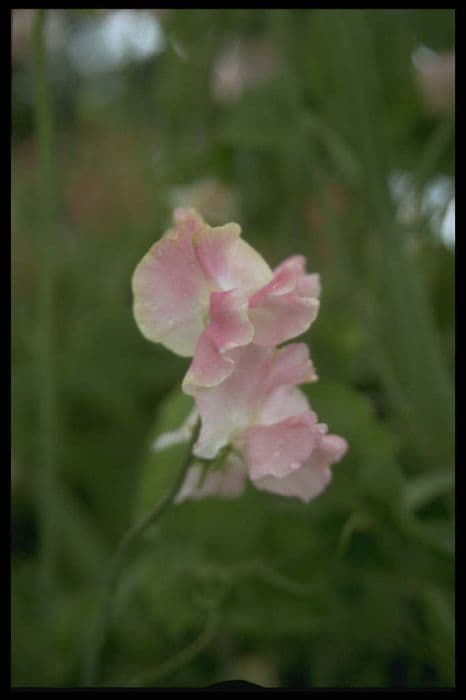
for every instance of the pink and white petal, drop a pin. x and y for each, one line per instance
(329, 449)
(288, 366)
(279, 449)
(286, 307)
(190, 484)
(281, 317)
(295, 263)
(304, 483)
(229, 328)
(229, 261)
(309, 285)
(283, 402)
(171, 292)
(314, 476)
(188, 219)
(284, 280)
(236, 403)
(179, 436)
(229, 407)
(227, 482)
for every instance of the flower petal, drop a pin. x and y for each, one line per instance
(229, 260)
(171, 290)
(286, 306)
(235, 403)
(178, 436)
(314, 476)
(304, 483)
(279, 449)
(227, 482)
(227, 408)
(228, 329)
(283, 402)
(330, 449)
(288, 366)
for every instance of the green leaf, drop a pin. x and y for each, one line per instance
(439, 611)
(424, 489)
(161, 467)
(369, 469)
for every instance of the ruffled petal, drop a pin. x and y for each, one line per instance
(229, 328)
(171, 290)
(284, 402)
(314, 476)
(288, 366)
(329, 450)
(304, 483)
(235, 404)
(229, 407)
(287, 305)
(279, 449)
(229, 260)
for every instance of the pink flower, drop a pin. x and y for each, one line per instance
(204, 292)
(273, 436)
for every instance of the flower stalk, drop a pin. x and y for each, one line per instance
(130, 538)
(47, 411)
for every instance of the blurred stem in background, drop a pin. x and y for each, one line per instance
(47, 410)
(412, 364)
(130, 538)
(324, 112)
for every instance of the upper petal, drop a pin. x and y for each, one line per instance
(229, 260)
(171, 290)
(173, 282)
(287, 305)
(229, 328)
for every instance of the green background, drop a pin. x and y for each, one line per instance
(354, 589)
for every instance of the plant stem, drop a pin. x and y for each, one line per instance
(46, 488)
(116, 567)
(183, 657)
(412, 365)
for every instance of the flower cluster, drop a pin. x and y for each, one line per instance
(204, 293)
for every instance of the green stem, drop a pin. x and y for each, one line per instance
(46, 488)
(413, 367)
(182, 658)
(116, 567)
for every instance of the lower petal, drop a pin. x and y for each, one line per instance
(227, 482)
(279, 449)
(304, 484)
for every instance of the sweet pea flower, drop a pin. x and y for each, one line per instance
(265, 424)
(205, 293)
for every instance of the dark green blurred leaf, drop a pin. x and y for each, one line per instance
(370, 467)
(160, 468)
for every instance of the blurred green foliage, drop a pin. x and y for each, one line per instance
(323, 110)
